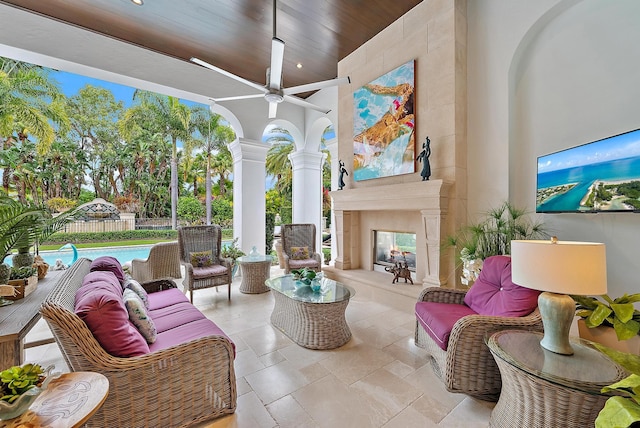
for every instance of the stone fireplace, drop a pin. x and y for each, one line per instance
(416, 207)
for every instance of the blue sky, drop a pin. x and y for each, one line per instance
(616, 147)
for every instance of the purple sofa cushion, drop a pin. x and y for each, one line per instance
(99, 304)
(493, 293)
(164, 298)
(207, 271)
(177, 314)
(108, 263)
(187, 332)
(438, 319)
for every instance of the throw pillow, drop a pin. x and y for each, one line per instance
(109, 264)
(101, 307)
(138, 315)
(299, 253)
(201, 258)
(133, 285)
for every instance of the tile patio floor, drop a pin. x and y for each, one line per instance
(378, 379)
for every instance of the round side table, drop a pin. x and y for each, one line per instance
(255, 271)
(544, 389)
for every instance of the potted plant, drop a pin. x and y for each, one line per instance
(16, 226)
(621, 410)
(19, 387)
(612, 322)
(232, 252)
(492, 236)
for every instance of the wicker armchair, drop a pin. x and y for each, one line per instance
(300, 236)
(193, 239)
(178, 386)
(467, 364)
(163, 262)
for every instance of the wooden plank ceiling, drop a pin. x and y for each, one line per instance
(235, 35)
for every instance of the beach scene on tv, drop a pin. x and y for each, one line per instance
(599, 176)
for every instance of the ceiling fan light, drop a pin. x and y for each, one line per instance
(273, 98)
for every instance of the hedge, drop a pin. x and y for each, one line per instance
(83, 237)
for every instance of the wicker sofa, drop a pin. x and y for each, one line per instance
(186, 377)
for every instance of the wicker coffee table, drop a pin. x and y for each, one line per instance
(544, 389)
(255, 271)
(314, 320)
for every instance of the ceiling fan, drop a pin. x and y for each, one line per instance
(273, 92)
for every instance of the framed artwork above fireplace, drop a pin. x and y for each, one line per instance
(384, 125)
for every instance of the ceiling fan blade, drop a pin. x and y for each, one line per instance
(239, 97)
(277, 58)
(306, 104)
(316, 86)
(226, 73)
(273, 109)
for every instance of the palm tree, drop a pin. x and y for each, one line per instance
(215, 137)
(168, 117)
(28, 102)
(277, 163)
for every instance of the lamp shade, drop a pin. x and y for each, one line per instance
(560, 267)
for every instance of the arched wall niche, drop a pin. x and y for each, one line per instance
(573, 80)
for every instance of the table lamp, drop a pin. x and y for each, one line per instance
(559, 268)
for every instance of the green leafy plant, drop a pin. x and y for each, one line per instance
(618, 313)
(304, 275)
(492, 236)
(17, 380)
(621, 410)
(232, 251)
(23, 272)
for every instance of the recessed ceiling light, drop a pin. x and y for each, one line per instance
(299, 65)
(138, 2)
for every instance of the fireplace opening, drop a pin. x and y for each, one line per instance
(393, 247)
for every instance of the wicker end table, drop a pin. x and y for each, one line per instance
(544, 389)
(314, 320)
(255, 271)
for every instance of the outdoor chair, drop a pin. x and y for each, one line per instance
(200, 255)
(453, 326)
(299, 247)
(163, 262)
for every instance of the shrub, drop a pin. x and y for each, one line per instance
(190, 209)
(60, 204)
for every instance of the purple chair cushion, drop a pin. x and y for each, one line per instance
(99, 304)
(494, 293)
(207, 271)
(108, 263)
(299, 264)
(438, 319)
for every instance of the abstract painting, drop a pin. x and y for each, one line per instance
(384, 125)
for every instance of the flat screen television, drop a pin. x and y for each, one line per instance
(601, 176)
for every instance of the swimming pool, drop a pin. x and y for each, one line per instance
(123, 254)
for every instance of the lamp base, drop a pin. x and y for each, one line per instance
(557, 312)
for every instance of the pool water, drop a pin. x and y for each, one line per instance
(123, 254)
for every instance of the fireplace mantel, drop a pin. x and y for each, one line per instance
(419, 206)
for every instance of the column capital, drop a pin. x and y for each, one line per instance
(307, 160)
(251, 150)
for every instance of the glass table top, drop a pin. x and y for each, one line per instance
(258, 258)
(330, 291)
(586, 366)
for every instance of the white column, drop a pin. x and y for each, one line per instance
(307, 190)
(249, 178)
